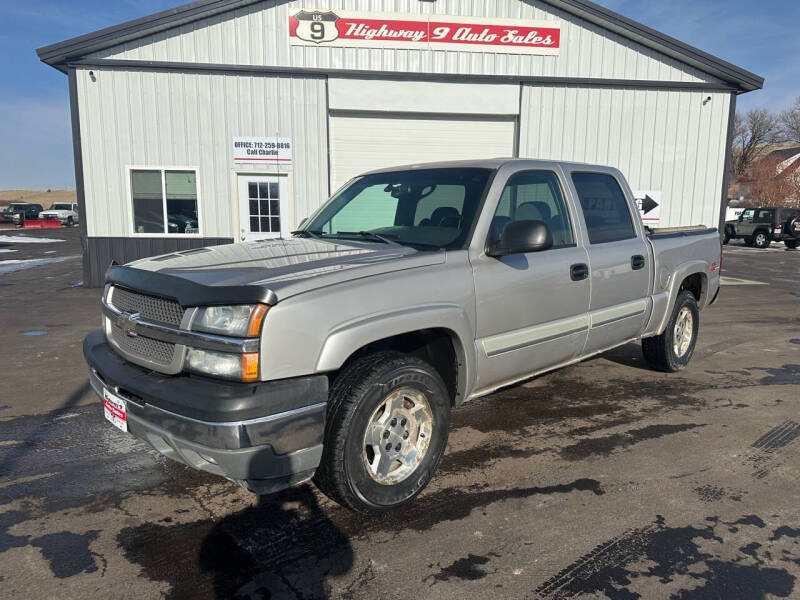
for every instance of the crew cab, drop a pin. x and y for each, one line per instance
(338, 353)
(66, 212)
(760, 226)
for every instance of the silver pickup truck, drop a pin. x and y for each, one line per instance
(339, 353)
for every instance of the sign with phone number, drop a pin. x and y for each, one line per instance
(432, 32)
(262, 150)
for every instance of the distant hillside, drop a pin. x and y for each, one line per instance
(42, 197)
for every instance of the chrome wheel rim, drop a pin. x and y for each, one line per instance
(684, 332)
(398, 436)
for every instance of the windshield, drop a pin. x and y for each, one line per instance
(61, 207)
(427, 209)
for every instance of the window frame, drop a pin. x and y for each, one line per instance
(565, 200)
(163, 170)
(635, 223)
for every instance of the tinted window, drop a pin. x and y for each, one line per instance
(604, 208)
(534, 196)
(763, 216)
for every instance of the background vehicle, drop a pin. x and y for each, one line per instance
(338, 354)
(760, 226)
(66, 212)
(29, 211)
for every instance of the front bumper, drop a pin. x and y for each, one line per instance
(264, 436)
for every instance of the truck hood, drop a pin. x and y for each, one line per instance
(278, 269)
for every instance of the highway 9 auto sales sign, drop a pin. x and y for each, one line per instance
(427, 32)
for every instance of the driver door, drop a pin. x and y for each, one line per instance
(532, 309)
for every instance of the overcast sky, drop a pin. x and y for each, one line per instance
(36, 148)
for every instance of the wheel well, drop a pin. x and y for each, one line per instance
(696, 284)
(434, 346)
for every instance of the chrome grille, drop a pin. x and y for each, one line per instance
(149, 308)
(151, 350)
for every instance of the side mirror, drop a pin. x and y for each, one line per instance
(521, 237)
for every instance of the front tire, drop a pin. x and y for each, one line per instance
(672, 350)
(70, 222)
(388, 422)
(726, 237)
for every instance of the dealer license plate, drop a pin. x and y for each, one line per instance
(115, 410)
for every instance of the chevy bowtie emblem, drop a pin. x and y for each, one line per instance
(127, 322)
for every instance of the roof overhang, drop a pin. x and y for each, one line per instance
(58, 55)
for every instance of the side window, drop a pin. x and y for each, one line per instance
(534, 196)
(748, 215)
(763, 216)
(608, 218)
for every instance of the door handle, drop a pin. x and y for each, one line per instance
(579, 272)
(637, 262)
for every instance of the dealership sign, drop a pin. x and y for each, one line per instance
(426, 32)
(262, 150)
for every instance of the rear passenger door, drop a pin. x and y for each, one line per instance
(531, 311)
(619, 261)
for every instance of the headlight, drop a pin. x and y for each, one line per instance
(239, 367)
(234, 321)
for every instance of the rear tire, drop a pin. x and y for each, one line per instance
(672, 350)
(70, 222)
(384, 397)
(792, 243)
(726, 237)
(761, 240)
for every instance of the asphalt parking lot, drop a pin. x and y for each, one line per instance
(604, 480)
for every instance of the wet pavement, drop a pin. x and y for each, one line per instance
(604, 480)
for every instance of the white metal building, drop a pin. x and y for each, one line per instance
(230, 120)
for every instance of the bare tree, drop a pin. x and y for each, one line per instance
(752, 131)
(790, 123)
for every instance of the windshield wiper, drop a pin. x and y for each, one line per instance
(309, 233)
(368, 234)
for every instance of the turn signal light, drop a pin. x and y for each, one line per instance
(256, 319)
(250, 367)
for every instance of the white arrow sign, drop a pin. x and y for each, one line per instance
(649, 203)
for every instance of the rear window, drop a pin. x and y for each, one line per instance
(605, 209)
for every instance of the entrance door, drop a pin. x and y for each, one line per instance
(263, 207)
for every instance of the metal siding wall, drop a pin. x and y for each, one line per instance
(171, 119)
(258, 35)
(102, 250)
(660, 139)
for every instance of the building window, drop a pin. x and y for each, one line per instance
(164, 201)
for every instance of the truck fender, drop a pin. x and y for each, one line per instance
(677, 278)
(347, 338)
